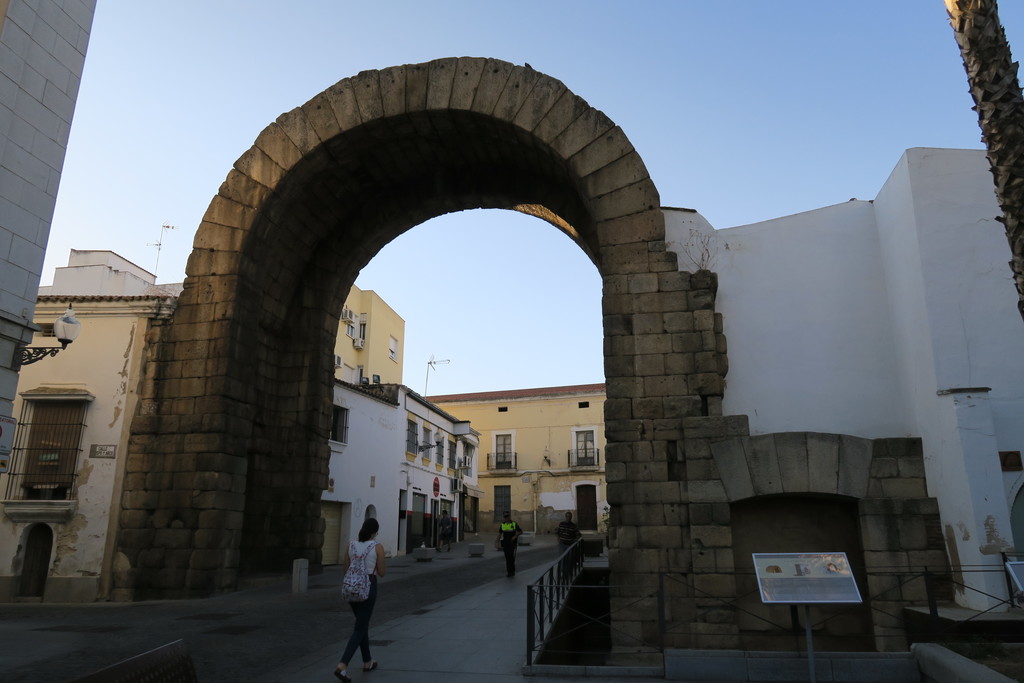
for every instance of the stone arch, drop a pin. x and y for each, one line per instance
(228, 455)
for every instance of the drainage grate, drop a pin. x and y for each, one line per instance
(233, 630)
(211, 616)
(83, 629)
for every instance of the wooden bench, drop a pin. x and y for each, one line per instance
(169, 663)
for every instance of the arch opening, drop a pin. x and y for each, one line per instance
(238, 396)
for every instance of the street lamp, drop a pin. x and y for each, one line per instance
(65, 329)
(438, 440)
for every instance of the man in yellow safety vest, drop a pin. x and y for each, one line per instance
(508, 540)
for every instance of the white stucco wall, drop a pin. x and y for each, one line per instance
(859, 318)
(364, 470)
(804, 307)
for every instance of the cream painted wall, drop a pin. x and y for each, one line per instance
(103, 361)
(541, 426)
(382, 324)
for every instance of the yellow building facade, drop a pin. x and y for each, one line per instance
(370, 344)
(541, 454)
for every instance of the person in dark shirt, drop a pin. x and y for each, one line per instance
(568, 533)
(508, 540)
(444, 536)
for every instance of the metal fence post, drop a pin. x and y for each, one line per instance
(530, 635)
(661, 611)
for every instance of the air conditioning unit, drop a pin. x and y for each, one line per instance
(358, 342)
(348, 315)
(338, 362)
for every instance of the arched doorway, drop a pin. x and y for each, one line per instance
(793, 524)
(38, 548)
(238, 393)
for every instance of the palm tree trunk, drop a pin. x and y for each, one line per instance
(992, 78)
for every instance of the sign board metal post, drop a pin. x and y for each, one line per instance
(805, 579)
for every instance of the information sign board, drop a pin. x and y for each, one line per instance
(805, 578)
(1016, 569)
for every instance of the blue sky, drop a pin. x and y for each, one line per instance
(744, 110)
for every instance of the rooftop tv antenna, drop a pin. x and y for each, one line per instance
(432, 364)
(159, 245)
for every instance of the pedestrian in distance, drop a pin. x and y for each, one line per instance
(508, 540)
(444, 536)
(568, 533)
(364, 556)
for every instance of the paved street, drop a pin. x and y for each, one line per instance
(242, 635)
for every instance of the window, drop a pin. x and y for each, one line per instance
(1010, 461)
(411, 431)
(583, 404)
(451, 454)
(393, 349)
(502, 409)
(502, 501)
(426, 439)
(440, 449)
(350, 330)
(339, 424)
(585, 442)
(44, 460)
(504, 456)
(584, 452)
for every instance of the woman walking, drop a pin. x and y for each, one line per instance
(372, 558)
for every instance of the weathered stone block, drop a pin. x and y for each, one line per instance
(581, 132)
(706, 384)
(791, 450)
(659, 537)
(854, 465)
(904, 488)
(641, 227)
(615, 472)
(668, 429)
(712, 535)
(704, 320)
(686, 342)
(706, 492)
(823, 462)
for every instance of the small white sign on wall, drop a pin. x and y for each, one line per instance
(99, 450)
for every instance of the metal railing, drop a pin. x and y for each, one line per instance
(501, 461)
(546, 597)
(548, 601)
(585, 457)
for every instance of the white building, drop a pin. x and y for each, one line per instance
(888, 318)
(387, 445)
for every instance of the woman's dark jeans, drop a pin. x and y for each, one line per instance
(361, 633)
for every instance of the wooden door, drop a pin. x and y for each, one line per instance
(37, 561)
(586, 507)
(331, 512)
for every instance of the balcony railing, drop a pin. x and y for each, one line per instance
(585, 457)
(501, 461)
